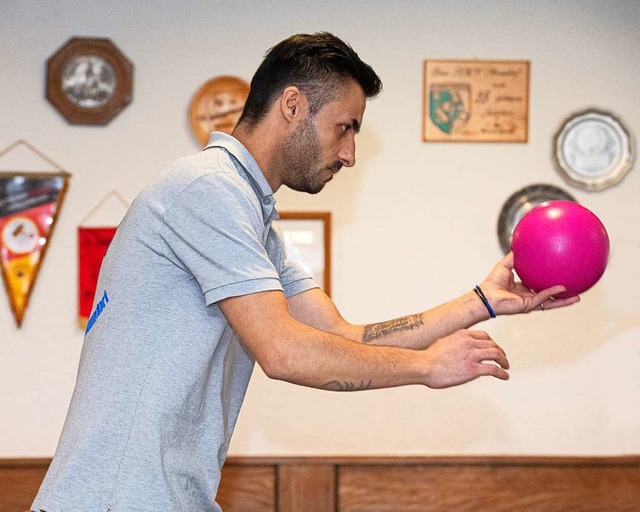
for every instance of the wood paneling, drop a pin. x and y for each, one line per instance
(248, 488)
(313, 485)
(398, 484)
(525, 487)
(19, 482)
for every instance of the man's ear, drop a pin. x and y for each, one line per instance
(293, 103)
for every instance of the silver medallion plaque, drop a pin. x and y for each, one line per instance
(593, 150)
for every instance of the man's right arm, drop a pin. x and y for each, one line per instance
(295, 352)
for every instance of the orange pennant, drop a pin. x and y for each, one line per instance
(29, 207)
(30, 202)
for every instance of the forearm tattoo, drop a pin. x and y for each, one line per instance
(375, 331)
(335, 385)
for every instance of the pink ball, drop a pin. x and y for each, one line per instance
(560, 243)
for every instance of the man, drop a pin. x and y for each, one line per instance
(196, 287)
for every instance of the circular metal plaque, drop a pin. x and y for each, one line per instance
(593, 150)
(519, 203)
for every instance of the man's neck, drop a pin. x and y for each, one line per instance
(262, 144)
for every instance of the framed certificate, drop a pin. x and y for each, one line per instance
(89, 81)
(476, 101)
(593, 149)
(307, 237)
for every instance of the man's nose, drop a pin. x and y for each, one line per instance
(347, 153)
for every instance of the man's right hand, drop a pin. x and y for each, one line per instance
(464, 356)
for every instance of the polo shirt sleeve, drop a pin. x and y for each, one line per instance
(215, 230)
(294, 278)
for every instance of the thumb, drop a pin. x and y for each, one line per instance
(507, 261)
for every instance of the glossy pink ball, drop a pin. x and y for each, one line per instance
(560, 242)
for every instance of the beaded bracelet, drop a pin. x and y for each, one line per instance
(484, 300)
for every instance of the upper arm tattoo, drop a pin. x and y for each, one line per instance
(380, 330)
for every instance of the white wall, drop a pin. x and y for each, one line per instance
(414, 223)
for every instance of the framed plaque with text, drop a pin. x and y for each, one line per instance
(476, 101)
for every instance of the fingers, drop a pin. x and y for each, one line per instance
(560, 303)
(545, 299)
(464, 356)
(482, 337)
(491, 358)
(493, 371)
(495, 354)
(548, 293)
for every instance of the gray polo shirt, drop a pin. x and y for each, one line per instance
(162, 375)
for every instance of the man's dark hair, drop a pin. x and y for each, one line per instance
(315, 63)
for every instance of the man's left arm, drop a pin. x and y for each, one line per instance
(420, 330)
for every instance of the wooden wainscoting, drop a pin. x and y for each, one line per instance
(19, 482)
(397, 484)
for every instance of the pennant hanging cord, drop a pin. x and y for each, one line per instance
(113, 193)
(36, 151)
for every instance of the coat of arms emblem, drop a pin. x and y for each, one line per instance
(449, 106)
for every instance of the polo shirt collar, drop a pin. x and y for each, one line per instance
(242, 155)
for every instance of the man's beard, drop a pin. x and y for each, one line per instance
(300, 157)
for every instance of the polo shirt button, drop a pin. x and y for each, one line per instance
(267, 201)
